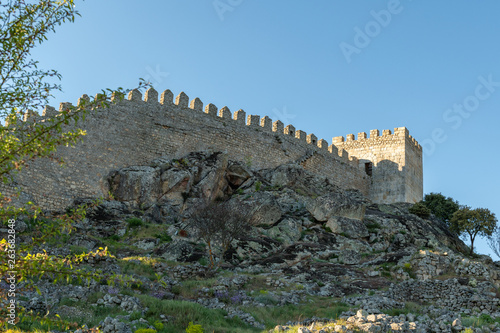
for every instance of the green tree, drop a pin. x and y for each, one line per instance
(473, 222)
(420, 210)
(24, 89)
(442, 207)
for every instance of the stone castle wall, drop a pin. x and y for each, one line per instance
(395, 161)
(137, 131)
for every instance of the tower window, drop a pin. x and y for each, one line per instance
(368, 168)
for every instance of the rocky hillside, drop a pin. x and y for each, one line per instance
(314, 258)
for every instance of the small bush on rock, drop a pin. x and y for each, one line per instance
(442, 207)
(420, 210)
(134, 222)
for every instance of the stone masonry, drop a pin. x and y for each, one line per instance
(137, 130)
(394, 161)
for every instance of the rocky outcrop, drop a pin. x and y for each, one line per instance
(307, 240)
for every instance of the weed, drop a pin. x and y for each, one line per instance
(134, 222)
(164, 237)
(74, 249)
(327, 229)
(258, 185)
(373, 227)
(203, 261)
(266, 299)
(115, 238)
(300, 192)
(248, 161)
(410, 307)
(145, 330)
(192, 328)
(158, 325)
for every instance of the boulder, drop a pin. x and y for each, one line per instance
(179, 250)
(177, 180)
(336, 204)
(212, 183)
(106, 210)
(146, 244)
(289, 231)
(263, 209)
(350, 227)
(237, 174)
(175, 184)
(350, 257)
(137, 184)
(296, 177)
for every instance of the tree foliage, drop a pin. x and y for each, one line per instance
(420, 210)
(442, 207)
(473, 222)
(218, 224)
(25, 89)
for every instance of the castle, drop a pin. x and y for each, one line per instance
(134, 131)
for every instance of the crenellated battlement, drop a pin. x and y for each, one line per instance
(239, 117)
(376, 138)
(393, 159)
(138, 128)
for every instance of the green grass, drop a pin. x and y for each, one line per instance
(373, 227)
(483, 319)
(323, 307)
(164, 237)
(75, 249)
(67, 301)
(30, 323)
(131, 267)
(410, 307)
(94, 297)
(212, 320)
(189, 288)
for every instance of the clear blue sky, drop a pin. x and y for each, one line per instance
(327, 67)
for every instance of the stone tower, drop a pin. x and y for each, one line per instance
(393, 160)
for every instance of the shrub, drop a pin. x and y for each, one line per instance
(217, 224)
(164, 237)
(134, 222)
(145, 330)
(258, 184)
(373, 227)
(192, 328)
(486, 318)
(158, 325)
(420, 210)
(266, 299)
(442, 207)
